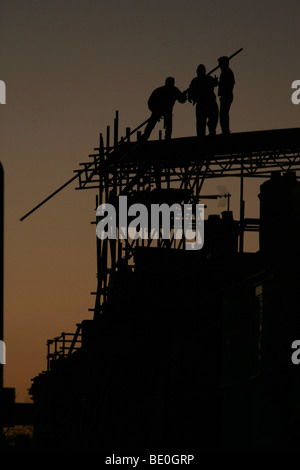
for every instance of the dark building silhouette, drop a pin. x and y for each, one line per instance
(182, 358)
(190, 350)
(280, 215)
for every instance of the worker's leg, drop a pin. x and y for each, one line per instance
(213, 116)
(225, 104)
(154, 118)
(200, 120)
(168, 124)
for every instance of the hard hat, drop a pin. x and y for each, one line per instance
(201, 69)
(170, 81)
(223, 60)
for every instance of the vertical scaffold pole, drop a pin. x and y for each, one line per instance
(116, 129)
(242, 209)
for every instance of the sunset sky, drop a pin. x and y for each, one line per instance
(68, 66)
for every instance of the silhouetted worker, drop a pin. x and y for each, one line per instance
(161, 104)
(225, 92)
(201, 92)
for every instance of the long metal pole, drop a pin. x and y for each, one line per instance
(218, 66)
(230, 57)
(74, 178)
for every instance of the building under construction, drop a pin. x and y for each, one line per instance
(187, 349)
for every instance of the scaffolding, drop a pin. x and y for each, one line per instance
(161, 171)
(169, 171)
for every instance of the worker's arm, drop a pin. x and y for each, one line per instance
(180, 96)
(189, 92)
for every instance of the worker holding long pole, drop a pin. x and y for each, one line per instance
(206, 109)
(225, 92)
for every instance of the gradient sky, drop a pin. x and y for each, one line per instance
(68, 65)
